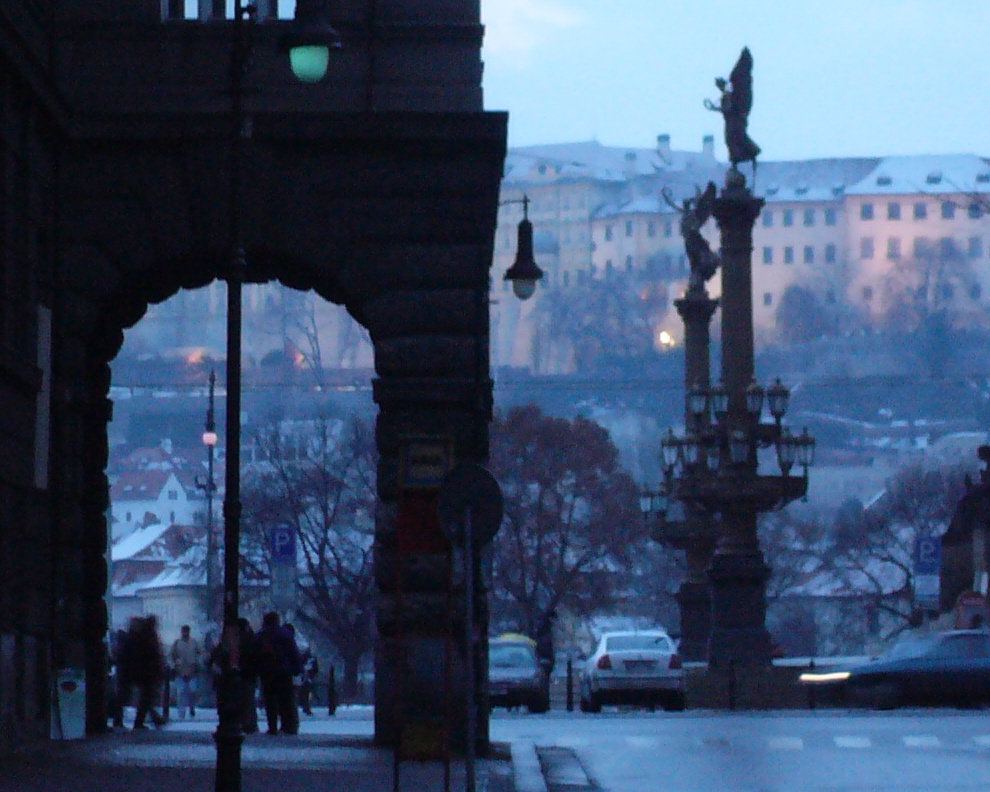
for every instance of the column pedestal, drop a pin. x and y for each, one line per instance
(739, 634)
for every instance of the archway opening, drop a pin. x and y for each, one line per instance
(307, 476)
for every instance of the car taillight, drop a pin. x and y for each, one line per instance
(675, 661)
(605, 663)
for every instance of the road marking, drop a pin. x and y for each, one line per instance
(572, 741)
(852, 741)
(982, 740)
(922, 741)
(786, 743)
(642, 742)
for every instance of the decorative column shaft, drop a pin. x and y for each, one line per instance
(738, 573)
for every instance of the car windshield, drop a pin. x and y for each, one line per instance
(510, 656)
(909, 649)
(625, 643)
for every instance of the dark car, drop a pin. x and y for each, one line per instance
(936, 668)
(515, 677)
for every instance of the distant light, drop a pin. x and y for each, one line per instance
(209, 439)
(309, 63)
(665, 339)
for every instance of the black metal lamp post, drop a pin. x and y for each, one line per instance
(209, 487)
(524, 273)
(308, 47)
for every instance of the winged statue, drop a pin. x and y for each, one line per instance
(695, 212)
(734, 105)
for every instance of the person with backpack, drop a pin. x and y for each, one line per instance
(278, 661)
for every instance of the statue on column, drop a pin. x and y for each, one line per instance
(734, 105)
(695, 212)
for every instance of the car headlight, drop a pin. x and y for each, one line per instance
(827, 676)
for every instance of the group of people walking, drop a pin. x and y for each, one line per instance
(270, 658)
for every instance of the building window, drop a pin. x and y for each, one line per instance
(608, 269)
(668, 229)
(975, 211)
(975, 291)
(651, 229)
(830, 254)
(809, 254)
(809, 217)
(921, 211)
(866, 248)
(866, 211)
(629, 263)
(867, 293)
(171, 517)
(922, 247)
(830, 297)
(127, 516)
(947, 291)
(173, 495)
(893, 211)
(831, 217)
(582, 276)
(567, 279)
(948, 210)
(608, 233)
(894, 248)
(629, 228)
(768, 255)
(767, 298)
(788, 255)
(767, 218)
(975, 247)
(946, 248)
(788, 217)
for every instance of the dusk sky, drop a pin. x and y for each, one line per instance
(831, 77)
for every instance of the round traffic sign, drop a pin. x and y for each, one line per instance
(470, 486)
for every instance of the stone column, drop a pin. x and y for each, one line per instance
(738, 573)
(696, 309)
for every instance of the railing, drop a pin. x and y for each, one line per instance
(215, 10)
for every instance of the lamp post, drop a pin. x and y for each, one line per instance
(306, 44)
(726, 429)
(524, 273)
(209, 487)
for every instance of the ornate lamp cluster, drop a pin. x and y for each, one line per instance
(715, 446)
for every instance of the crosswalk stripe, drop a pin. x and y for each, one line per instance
(572, 741)
(922, 741)
(982, 740)
(786, 743)
(642, 742)
(852, 741)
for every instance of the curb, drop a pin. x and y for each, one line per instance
(526, 770)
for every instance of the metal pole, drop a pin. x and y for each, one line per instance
(472, 726)
(229, 735)
(211, 486)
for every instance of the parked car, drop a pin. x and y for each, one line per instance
(936, 668)
(633, 667)
(515, 677)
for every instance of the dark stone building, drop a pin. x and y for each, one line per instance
(377, 187)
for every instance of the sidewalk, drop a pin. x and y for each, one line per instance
(329, 754)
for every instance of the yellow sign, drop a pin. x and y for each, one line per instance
(424, 461)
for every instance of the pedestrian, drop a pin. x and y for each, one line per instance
(122, 683)
(249, 676)
(147, 661)
(186, 662)
(544, 642)
(307, 690)
(278, 661)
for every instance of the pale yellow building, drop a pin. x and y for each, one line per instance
(919, 236)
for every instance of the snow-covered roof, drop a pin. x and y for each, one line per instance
(136, 543)
(177, 575)
(594, 160)
(141, 485)
(946, 174)
(815, 180)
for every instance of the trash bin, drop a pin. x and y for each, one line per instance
(69, 718)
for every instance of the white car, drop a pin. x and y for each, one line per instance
(633, 667)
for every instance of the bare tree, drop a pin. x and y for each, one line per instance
(571, 522)
(319, 477)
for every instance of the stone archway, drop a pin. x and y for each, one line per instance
(391, 215)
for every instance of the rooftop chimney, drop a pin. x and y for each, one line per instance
(708, 146)
(663, 149)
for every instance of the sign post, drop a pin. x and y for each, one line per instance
(470, 511)
(282, 546)
(927, 566)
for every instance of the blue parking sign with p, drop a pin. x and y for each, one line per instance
(928, 555)
(282, 543)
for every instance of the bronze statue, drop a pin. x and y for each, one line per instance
(734, 106)
(695, 212)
